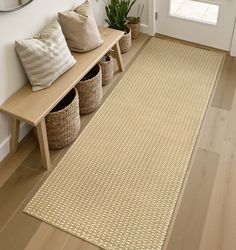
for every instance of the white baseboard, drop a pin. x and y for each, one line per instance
(5, 145)
(144, 28)
(148, 29)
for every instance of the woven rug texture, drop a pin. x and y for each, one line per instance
(118, 184)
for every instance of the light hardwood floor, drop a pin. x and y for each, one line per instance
(205, 217)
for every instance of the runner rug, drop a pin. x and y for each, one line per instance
(118, 185)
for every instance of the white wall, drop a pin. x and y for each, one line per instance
(2, 4)
(21, 24)
(9, 4)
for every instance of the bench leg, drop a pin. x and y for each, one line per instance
(15, 129)
(43, 144)
(118, 56)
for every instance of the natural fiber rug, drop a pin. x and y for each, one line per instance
(118, 185)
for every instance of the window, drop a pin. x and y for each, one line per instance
(195, 10)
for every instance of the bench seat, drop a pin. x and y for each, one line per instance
(32, 107)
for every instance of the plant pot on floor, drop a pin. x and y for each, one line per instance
(63, 122)
(90, 90)
(135, 29)
(107, 69)
(125, 41)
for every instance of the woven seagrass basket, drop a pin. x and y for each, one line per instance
(125, 41)
(90, 90)
(63, 122)
(107, 69)
(135, 28)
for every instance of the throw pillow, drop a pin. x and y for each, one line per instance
(45, 57)
(80, 28)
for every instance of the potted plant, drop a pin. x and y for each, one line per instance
(134, 22)
(117, 12)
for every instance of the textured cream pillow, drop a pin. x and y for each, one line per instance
(80, 28)
(45, 57)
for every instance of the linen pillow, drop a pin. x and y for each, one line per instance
(80, 28)
(45, 57)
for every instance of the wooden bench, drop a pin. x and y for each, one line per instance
(32, 107)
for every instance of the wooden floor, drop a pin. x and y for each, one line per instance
(205, 217)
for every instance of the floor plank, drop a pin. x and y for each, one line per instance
(187, 230)
(15, 190)
(224, 93)
(215, 126)
(25, 148)
(34, 161)
(47, 237)
(18, 232)
(74, 243)
(231, 126)
(220, 226)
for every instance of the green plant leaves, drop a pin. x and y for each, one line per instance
(117, 12)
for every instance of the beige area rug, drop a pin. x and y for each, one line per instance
(118, 185)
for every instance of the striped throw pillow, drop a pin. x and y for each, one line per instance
(45, 57)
